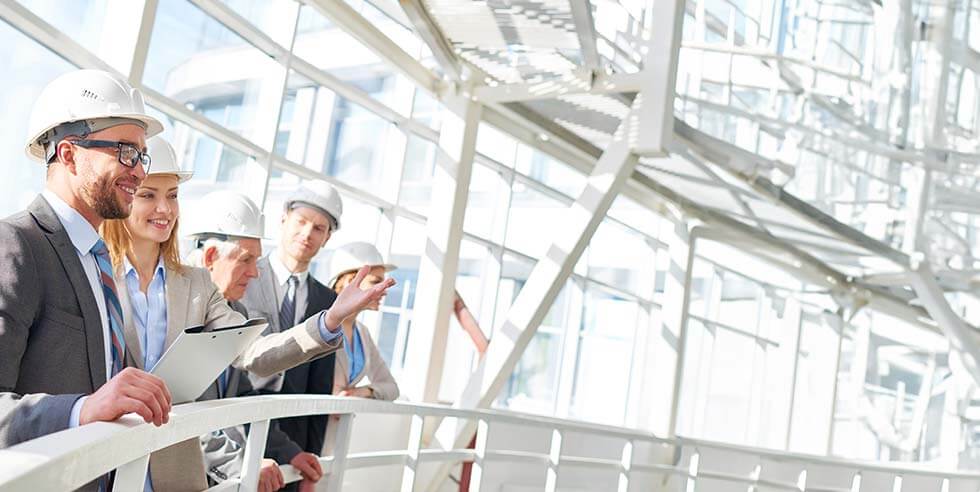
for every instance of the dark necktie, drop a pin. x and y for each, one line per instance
(287, 310)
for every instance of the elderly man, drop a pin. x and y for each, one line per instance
(62, 353)
(286, 293)
(228, 246)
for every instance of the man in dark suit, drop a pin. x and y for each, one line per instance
(285, 292)
(61, 347)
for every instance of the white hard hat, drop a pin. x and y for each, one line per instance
(352, 256)
(163, 159)
(90, 100)
(320, 196)
(229, 214)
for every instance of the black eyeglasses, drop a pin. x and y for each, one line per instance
(129, 154)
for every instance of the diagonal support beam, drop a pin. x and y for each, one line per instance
(357, 26)
(427, 29)
(962, 337)
(544, 284)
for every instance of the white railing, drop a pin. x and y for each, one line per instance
(72, 458)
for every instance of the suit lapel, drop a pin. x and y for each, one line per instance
(267, 281)
(133, 347)
(178, 303)
(94, 340)
(315, 297)
(342, 366)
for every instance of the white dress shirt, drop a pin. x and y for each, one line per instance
(282, 278)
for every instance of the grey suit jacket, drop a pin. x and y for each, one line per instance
(375, 370)
(316, 377)
(51, 343)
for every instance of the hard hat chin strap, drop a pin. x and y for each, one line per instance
(81, 128)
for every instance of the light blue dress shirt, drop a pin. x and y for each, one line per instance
(355, 355)
(149, 312)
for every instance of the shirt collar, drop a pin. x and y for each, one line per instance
(160, 270)
(81, 233)
(281, 272)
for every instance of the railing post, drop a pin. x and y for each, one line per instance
(414, 449)
(476, 472)
(254, 451)
(341, 446)
(132, 475)
(626, 462)
(554, 460)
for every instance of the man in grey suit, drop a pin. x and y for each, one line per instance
(286, 293)
(60, 356)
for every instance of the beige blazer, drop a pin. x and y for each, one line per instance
(374, 375)
(375, 372)
(193, 299)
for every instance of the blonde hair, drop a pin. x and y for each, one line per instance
(343, 280)
(119, 242)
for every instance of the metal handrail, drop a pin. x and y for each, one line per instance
(71, 458)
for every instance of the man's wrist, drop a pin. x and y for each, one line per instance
(327, 334)
(74, 420)
(330, 322)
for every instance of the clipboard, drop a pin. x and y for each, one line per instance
(197, 357)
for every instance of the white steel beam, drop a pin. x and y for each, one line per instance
(360, 28)
(26, 21)
(576, 82)
(440, 260)
(19, 16)
(660, 71)
(919, 192)
(138, 64)
(585, 30)
(427, 29)
(264, 43)
(751, 168)
(810, 268)
(544, 283)
(118, 46)
(962, 337)
(669, 360)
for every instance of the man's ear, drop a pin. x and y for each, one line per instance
(65, 153)
(210, 256)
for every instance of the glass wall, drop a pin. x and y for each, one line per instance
(770, 359)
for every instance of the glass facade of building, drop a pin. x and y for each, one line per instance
(258, 95)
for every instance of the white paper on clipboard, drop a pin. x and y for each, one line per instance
(197, 357)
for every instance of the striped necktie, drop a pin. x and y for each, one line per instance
(113, 308)
(287, 310)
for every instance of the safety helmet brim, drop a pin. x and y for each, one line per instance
(36, 151)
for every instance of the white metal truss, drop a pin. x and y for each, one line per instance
(440, 258)
(544, 283)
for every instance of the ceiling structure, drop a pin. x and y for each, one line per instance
(838, 138)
